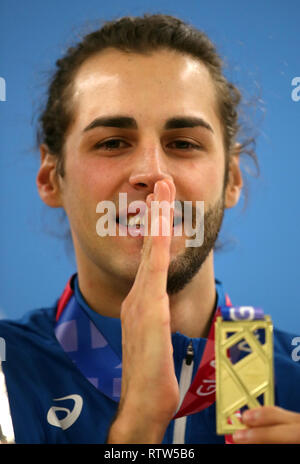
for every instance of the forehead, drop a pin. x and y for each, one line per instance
(150, 87)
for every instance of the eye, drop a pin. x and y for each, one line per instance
(111, 144)
(114, 144)
(185, 145)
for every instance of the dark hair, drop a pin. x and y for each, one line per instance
(144, 35)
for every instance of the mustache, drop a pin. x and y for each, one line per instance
(139, 207)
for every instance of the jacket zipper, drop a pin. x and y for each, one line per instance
(184, 384)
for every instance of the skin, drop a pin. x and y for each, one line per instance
(147, 165)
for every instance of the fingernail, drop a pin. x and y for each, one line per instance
(240, 435)
(156, 189)
(149, 199)
(250, 415)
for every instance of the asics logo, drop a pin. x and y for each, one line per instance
(71, 415)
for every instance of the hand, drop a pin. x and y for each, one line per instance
(269, 425)
(150, 392)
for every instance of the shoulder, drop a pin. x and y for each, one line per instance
(287, 369)
(34, 328)
(285, 343)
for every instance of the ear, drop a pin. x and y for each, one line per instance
(47, 179)
(235, 179)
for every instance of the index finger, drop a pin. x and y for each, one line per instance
(155, 258)
(269, 415)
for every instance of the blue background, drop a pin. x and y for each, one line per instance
(260, 42)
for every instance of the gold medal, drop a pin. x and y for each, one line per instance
(249, 381)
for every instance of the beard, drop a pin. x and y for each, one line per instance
(185, 266)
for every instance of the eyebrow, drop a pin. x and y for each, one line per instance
(126, 122)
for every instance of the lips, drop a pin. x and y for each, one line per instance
(131, 220)
(133, 217)
(134, 220)
(126, 216)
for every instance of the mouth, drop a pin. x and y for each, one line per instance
(135, 223)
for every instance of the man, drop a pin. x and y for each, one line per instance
(139, 107)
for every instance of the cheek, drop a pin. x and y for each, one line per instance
(214, 182)
(86, 184)
(204, 181)
(93, 181)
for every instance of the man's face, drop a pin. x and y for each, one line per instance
(101, 162)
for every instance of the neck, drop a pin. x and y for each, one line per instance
(192, 308)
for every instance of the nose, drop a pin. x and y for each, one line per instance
(149, 166)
